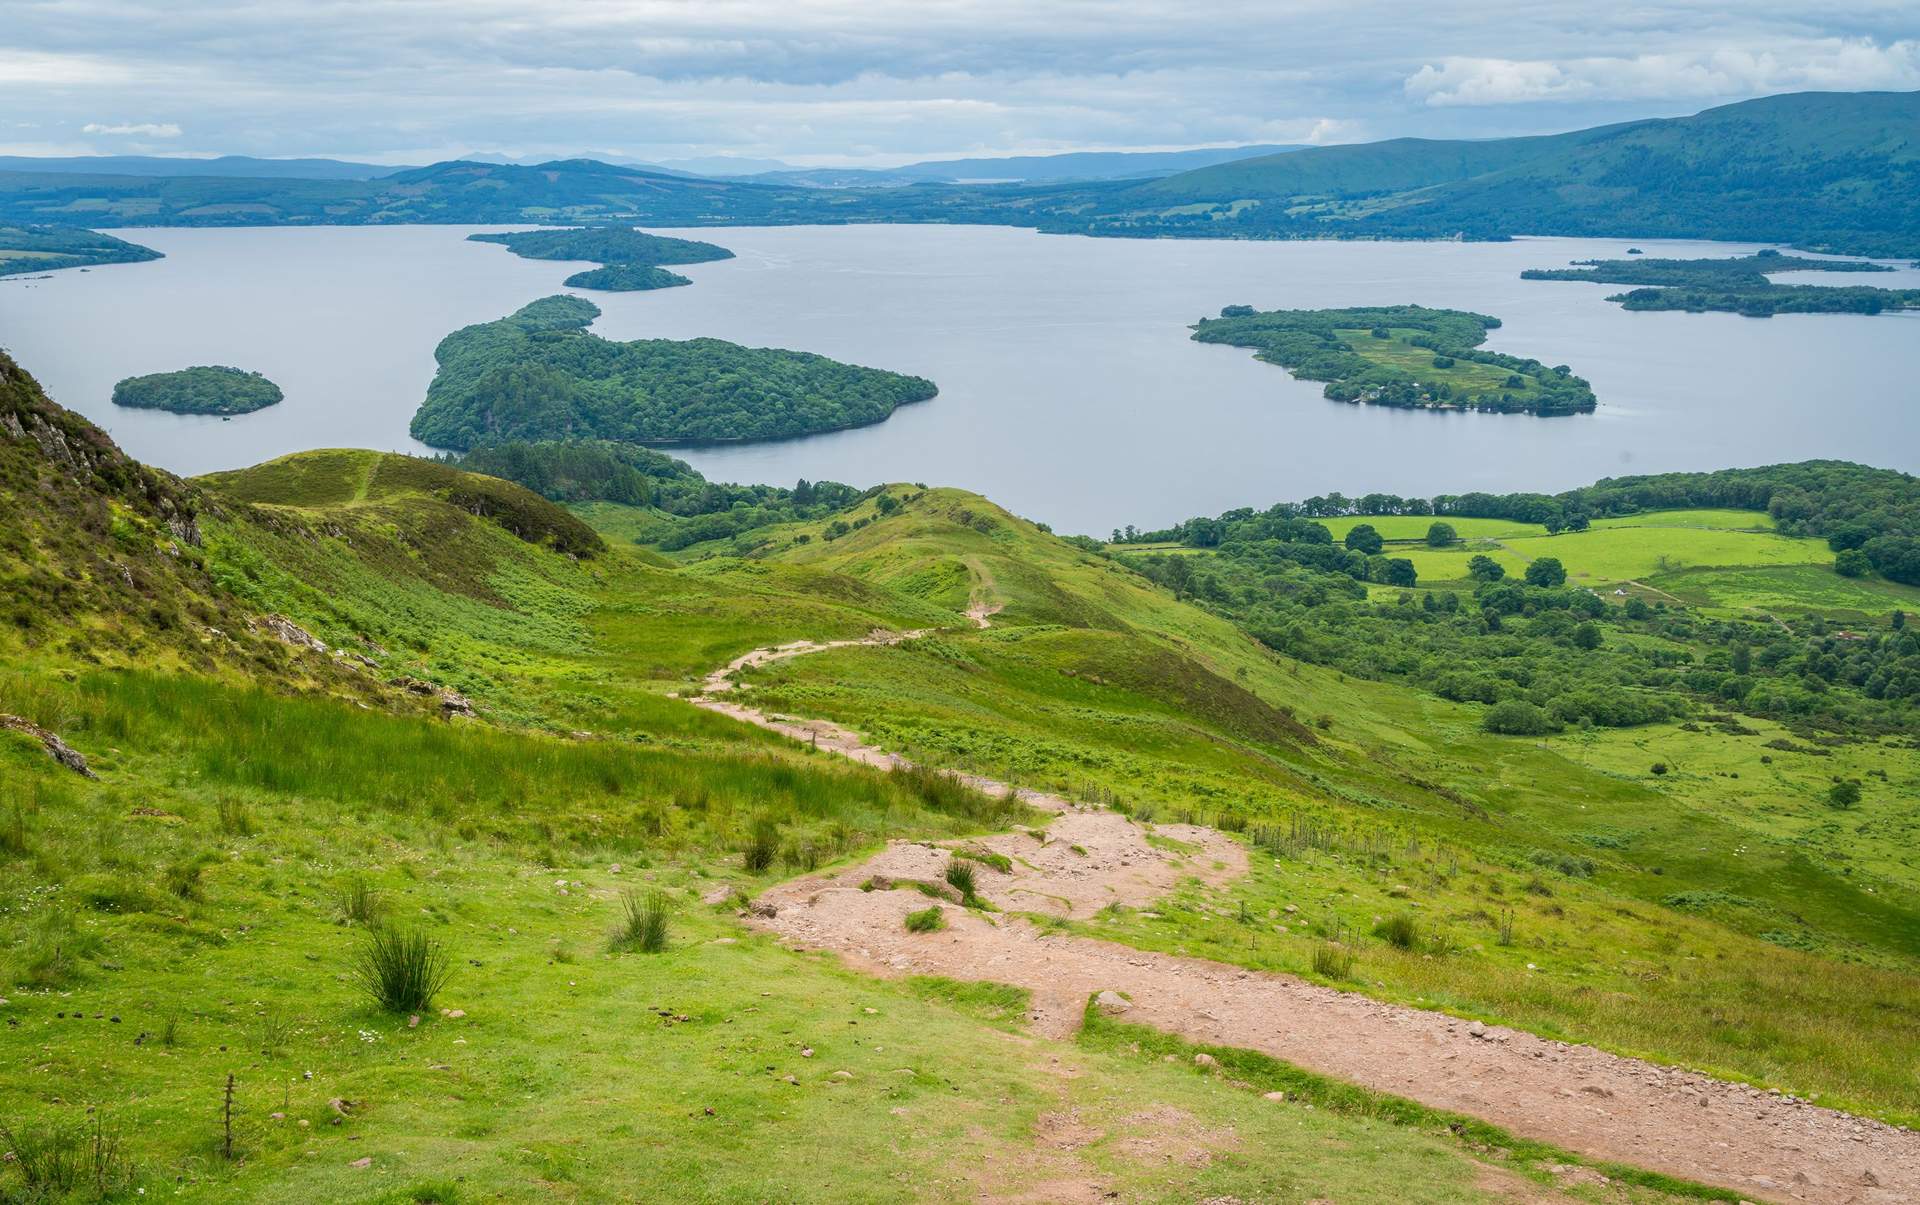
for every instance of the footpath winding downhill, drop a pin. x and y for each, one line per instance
(1760, 1145)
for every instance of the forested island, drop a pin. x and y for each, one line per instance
(203, 389)
(538, 374)
(26, 249)
(1406, 356)
(1740, 285)
(629, 259)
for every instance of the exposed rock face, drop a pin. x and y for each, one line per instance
(288, 632)
(56, 748)
(452, 702)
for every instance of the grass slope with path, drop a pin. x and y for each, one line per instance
(239, 657)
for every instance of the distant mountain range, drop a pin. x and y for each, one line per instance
(1822, 170)
(1018, 169)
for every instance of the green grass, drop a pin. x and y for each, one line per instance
(1399, 353)
(1788, 588)
(546, 1064)
(1614, 554)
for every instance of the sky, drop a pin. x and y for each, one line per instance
(882, 82)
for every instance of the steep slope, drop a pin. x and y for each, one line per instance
(103, 558)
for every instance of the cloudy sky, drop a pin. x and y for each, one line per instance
(886, 81)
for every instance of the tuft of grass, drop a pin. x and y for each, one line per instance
(358, 903)
(55, 948)
(13, 831)
(182, 877)
(960, 877)
(401, 971)
(987, 857)
(1333, 962)
(55, 1160)
(643, 922)
(235, 818)
(275, 1030)
(763, 845)
(1400, 931)
(927, 920)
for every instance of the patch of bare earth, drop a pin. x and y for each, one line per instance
(1759, 1144)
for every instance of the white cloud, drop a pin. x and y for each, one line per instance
(1833, 63)
(148, 129)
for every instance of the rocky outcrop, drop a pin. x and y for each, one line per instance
(452, 702)
(56, 748)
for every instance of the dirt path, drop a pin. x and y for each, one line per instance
(1758, 1144)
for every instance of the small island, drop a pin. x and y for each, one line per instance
(539, 374)
(1739, 285)
(1405, 356)
(204, 389)
(629, 259)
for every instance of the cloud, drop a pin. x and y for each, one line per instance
(1852, 64)
(889, 80)
(149, 129)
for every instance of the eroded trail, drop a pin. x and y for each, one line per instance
(1602, 1105)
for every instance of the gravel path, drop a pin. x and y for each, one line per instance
(1759, 1144)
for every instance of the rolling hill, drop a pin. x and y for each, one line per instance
(1835, 171)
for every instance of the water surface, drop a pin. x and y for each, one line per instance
(1069, 389)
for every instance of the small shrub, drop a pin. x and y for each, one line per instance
(1400, 931)
(1504, 937)
(1333, 962)
(1658, 768)
(402, 972)
(1572, 865)
(927, 920)
(643, 922)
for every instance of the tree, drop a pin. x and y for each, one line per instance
(1483, 568)
(1439, 535)
(1363, 538)
(1546, 572)
(1400, 572)
(1742, 659)
(1851, 562)
(1637, 608)
(1844, 793)
(1517, 717)
(1587, 636)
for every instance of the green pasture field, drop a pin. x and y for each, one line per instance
(1399, 353)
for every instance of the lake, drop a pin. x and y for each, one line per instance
(1069, 390)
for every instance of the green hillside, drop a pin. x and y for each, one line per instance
(345, 693)
(1824, 170)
